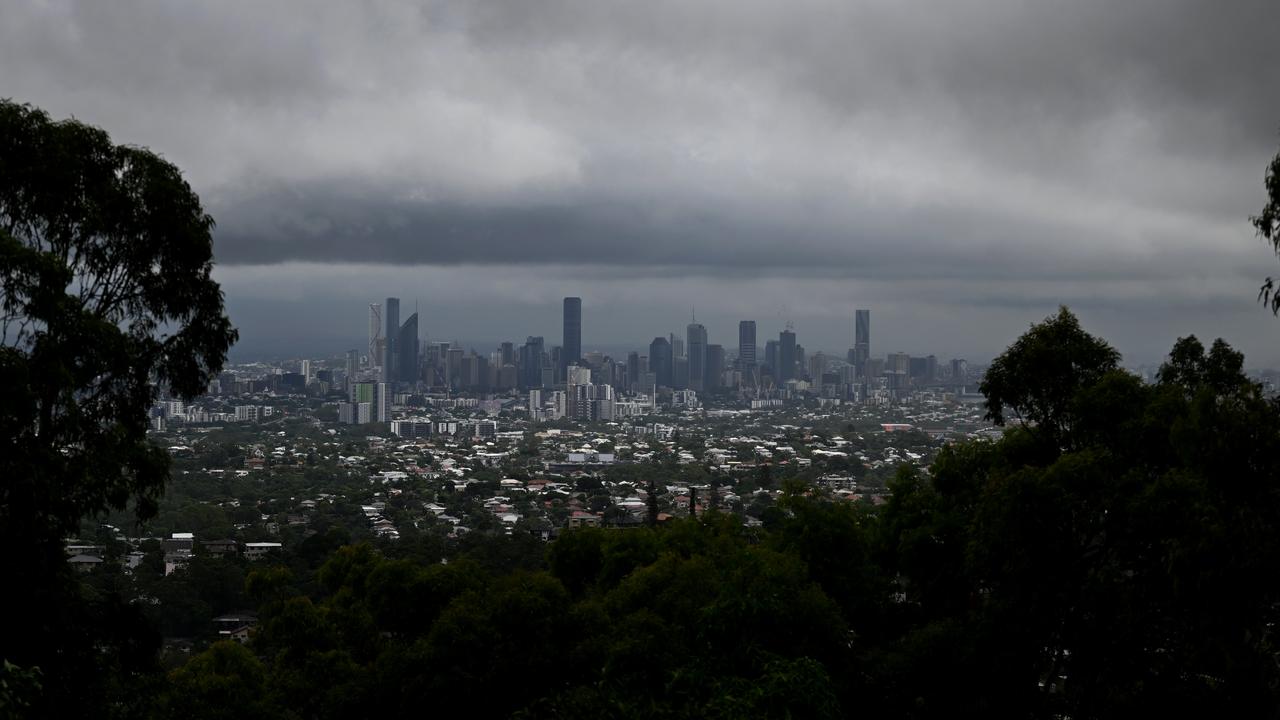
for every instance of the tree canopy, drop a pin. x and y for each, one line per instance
(106, 297)
(1039, 375)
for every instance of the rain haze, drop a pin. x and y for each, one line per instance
(959, 168)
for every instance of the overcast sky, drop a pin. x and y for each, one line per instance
(960, 168)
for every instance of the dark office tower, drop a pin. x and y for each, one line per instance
(861, 340)
(407, 351)
(697, 348)
(391, 316)
(531, 363)
(680, 373)
(786, 369)
(918, 369)
(715, 368)
(572, 347)
(478, 379)
(633, 369)
(660, 360)
(746, 345)
(558, 364)
(507, 353)
(771, 357)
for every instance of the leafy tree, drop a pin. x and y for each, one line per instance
(1267, 224)
(18, 687)
(105, 297)
(1122, 574)
(225, 681)
(1040, 374)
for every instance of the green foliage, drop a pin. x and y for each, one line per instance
(1267, 223)
(1123, 575)
(1041, 373)
(225, 681)
(106, 295)
(19, 687)
(105, 260)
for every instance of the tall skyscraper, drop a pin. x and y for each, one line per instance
(375, 335)
(786, 369)
(507, 351)
(391, 317)
(680, 372)
(531, 363)
(697, 348)
(407, 350)
(861, 340)
(715, 367)
(571, 350)
(633, 369)
(746, 345)
(771, 357)
(660, 360)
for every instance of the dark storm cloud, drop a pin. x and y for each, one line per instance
(677, 236)
(668, 131)
(956, 156)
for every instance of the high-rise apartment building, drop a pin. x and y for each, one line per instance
(897, 371)
(353, 365)
(453, 368)
(571, 350)
(817, 367)
(381, 400)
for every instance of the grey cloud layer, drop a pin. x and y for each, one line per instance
(973, 163)
(676, 132)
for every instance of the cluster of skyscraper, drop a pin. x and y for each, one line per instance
(397, 357)
(393, 352)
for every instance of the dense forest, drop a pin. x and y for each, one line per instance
(1112, 555)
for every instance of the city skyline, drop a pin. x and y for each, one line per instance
(617, 342)
(589, 384)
